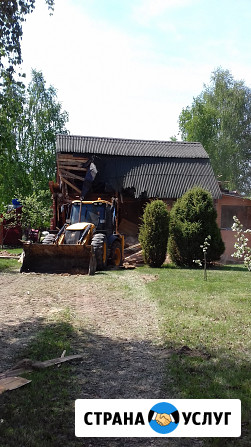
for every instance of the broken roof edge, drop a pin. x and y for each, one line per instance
(126, 146)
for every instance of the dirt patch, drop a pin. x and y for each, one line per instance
(111, 310)
(118, 331)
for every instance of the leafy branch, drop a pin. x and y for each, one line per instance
(243, 251)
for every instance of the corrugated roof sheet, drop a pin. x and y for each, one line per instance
(158, 177)
(163, 169)
(126, 147)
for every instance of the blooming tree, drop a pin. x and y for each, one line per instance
(204, 249)
(243, 251)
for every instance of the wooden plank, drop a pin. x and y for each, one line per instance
(14, 372)
(71, 156)
(64, 156)
(12, 383)
(27, 365)
(56, 361)
(70, 184)
(72, 168)
(69, 160)
(71, 163)
(72, 160)
(71, 175)
(66, 190)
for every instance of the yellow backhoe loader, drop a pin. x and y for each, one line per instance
(88, 241)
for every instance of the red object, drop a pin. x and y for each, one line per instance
(11, 236)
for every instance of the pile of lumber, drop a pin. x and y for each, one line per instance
(133, 255)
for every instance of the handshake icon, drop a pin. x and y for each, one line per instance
(164, 419)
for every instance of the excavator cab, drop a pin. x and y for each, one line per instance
(101, 213)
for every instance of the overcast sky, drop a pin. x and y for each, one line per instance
(126, 68)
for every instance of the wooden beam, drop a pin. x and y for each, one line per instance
(72, 160)
(72, 168)
(71, 175)
(70, 184)
(66, 190)
(71, 155)
(71, 163)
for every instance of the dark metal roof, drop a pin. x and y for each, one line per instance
(151, 168)
(157, 176)
(126, 147)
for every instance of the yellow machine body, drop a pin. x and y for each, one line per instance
(82, 245)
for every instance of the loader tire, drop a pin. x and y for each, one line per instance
(116, 254)
(99, 244)
(49, 239)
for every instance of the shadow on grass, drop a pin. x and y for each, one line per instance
(232, 268)
(41, 414)
(228, 267)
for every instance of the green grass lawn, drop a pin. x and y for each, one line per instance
(42, 414)
(8, 265)
(212, 318)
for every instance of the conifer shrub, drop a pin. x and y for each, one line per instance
(192, 220)
(153, 234)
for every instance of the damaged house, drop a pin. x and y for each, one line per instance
(133, 171)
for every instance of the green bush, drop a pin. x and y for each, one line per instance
(153, 234)
(192, 219)
(36, 209)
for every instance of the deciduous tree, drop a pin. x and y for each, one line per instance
(29, 121)
(36, 209)
(12, 15)
(44, 119)
(220, 118)
(12, 98)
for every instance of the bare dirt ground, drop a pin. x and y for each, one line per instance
(118, 329)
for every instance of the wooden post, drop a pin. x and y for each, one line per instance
(1, 234)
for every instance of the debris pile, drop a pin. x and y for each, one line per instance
(10, 380)
(133, 256)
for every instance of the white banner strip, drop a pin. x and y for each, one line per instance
(123, 418)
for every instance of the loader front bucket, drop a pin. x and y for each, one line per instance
(44, 258)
